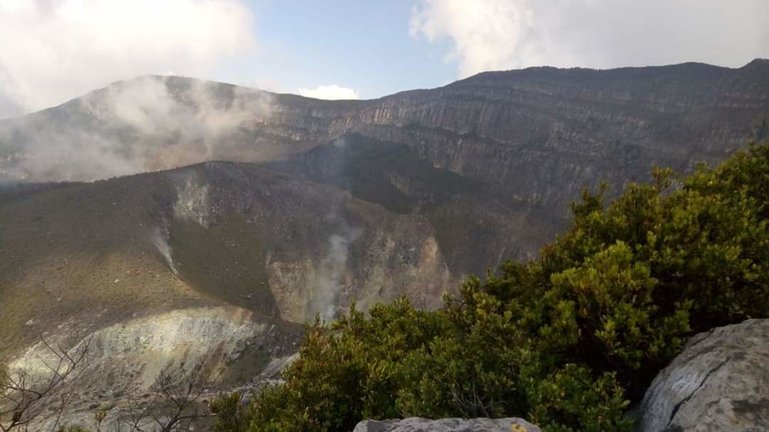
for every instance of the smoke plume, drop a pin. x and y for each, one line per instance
(54, 50)
(139, 125)
(159, 238)
(331, 273)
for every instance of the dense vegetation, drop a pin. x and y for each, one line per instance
(567, 340)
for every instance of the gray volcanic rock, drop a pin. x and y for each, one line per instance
(123, 362)
(720, 382)
(416, 424)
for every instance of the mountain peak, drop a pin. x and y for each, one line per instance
(757, 63)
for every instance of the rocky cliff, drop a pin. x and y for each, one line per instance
(538, 134)
(215, 265)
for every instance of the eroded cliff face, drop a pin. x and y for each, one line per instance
(541, 134)
(536, 135)
(317, 247)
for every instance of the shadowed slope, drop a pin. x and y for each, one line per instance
(91, 255)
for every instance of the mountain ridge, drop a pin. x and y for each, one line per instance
(755, 63)
(532, 138)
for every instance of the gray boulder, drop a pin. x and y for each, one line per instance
(416, 424)
(720, 382)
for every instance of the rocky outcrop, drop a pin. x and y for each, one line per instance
(118, 367)
(177, 340)
(415, 424)
(720, 382)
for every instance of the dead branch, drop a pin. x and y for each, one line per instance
(175, 404)
(21, 394)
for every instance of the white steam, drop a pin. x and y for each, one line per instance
(159, 237)
(54, 50)
(191, 199)
(331, 273)
(134, 126)
(196, 114)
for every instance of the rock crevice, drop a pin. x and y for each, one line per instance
(719, 382)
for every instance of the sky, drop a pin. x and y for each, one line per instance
(55, 50)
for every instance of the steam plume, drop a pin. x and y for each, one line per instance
(138, 125)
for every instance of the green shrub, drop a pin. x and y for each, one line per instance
(566, 340)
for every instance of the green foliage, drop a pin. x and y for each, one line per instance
(230, 412)
(572, 398)
(470, 369)
(603, 314)
(566, 340)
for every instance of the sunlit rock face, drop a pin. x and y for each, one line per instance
(118, 367)
(720, 381)
(144, 347)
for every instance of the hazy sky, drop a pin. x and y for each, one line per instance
(54, 50)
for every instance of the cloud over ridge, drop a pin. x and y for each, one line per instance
(507, 34)
(329, 92)
(54, 50)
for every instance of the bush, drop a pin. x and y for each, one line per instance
(567, 340)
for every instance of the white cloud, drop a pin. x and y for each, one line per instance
(331, 92)
(137, 125)
(53, 50)
(504, 34)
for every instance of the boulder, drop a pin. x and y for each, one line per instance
(416, 424)
(719, 382)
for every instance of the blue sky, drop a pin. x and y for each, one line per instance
(363, 45)
(375, 48)
(55, 50)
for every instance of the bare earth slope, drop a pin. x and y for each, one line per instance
(217, 264)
